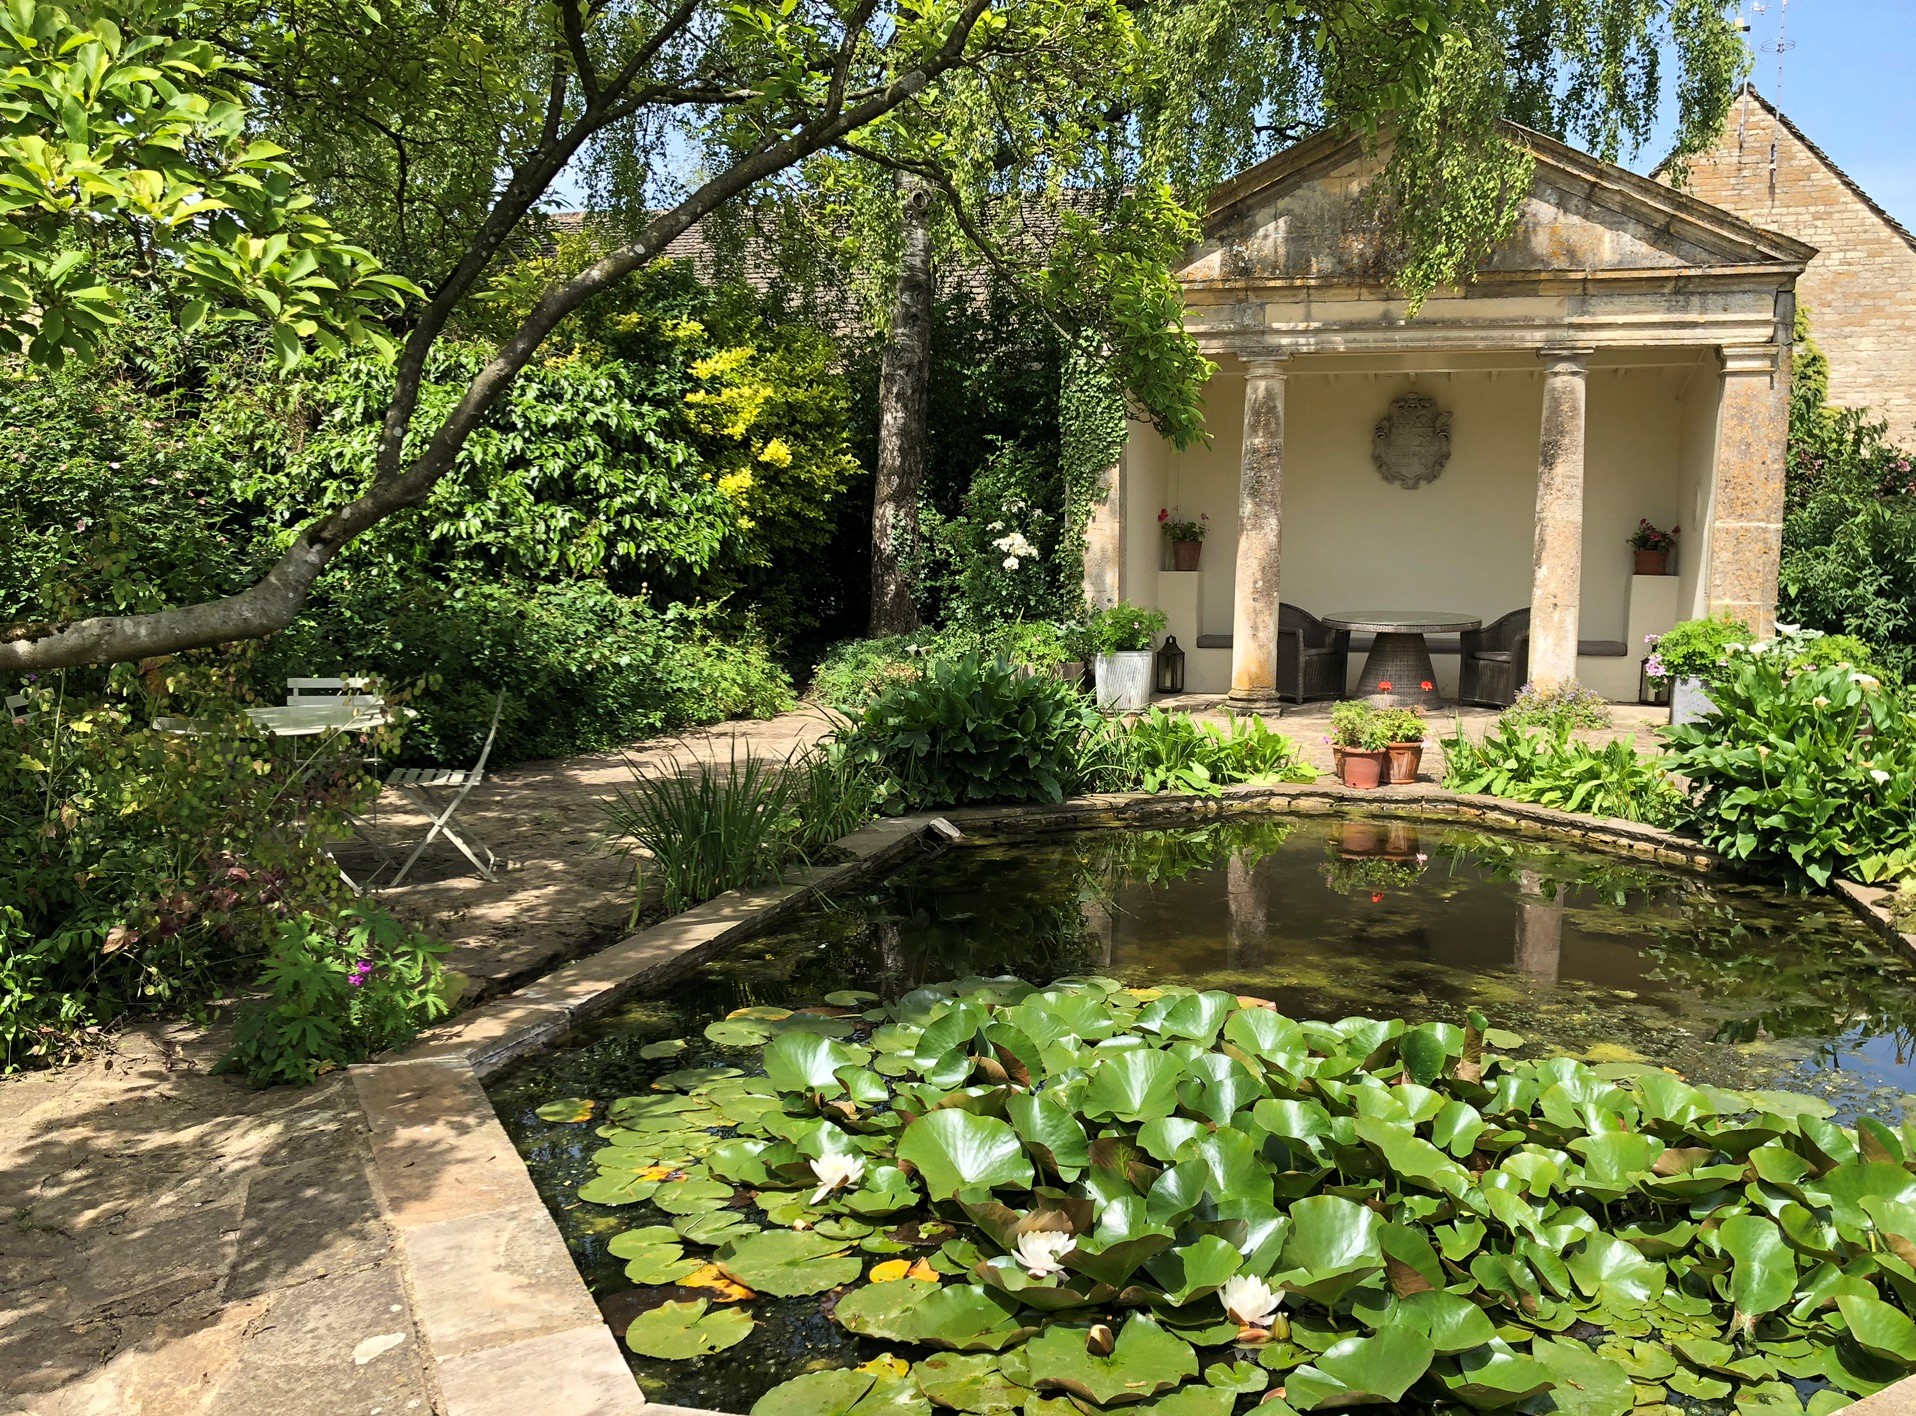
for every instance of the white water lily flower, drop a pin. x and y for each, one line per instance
(1038, 1250)
(1250, 1302)
(835, 1172)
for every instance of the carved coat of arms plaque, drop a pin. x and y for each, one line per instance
(1412, 443)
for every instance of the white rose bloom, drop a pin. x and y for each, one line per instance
(834, 1172)
(1011, 562)
(1250, 1302)
(1038, 1250)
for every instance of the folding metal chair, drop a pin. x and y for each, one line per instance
(17, 705)
(424, 787)
(349, 691)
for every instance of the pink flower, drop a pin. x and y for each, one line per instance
(361, 971)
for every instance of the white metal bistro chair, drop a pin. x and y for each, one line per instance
(438, 791)
(350, 692)
(17, 706)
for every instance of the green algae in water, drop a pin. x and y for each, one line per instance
(1622, 965)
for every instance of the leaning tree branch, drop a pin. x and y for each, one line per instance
(273, 602)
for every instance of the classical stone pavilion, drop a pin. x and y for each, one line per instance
(1624, 355)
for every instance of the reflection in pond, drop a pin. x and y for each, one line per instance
(1625, 966)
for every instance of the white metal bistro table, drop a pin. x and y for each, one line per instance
(320, 720)
(1398, 668)
(314, 719)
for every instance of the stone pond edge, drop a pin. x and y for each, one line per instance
(509, 1325)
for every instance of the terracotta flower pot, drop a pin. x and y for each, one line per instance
(1363, 769)
(1185, 554)
(1405, 758)
(1355, 839)
(1653, 562)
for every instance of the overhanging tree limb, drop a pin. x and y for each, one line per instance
(277, 598)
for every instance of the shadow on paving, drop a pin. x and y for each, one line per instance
(172, 1241)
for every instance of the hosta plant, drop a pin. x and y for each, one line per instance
(1091, 1198)
(1804, 774)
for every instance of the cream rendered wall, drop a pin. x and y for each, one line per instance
(1462, 543)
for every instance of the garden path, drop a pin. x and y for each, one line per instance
(172, 1242)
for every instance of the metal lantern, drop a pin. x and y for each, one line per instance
(1170, 666)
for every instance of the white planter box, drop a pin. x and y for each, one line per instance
(1124, 680)
(1688, 702)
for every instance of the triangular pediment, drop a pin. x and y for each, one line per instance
(1303, 215)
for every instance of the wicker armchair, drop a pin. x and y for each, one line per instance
(1313, 660)
(1494, 661)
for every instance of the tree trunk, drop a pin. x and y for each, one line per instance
(902, 384)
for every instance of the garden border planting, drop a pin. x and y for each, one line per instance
(502, 1310)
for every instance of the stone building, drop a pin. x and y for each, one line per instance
(1860, 290)
(1623, 355)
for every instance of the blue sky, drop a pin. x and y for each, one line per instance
(1849, 83)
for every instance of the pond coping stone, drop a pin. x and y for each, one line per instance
(507, 1321)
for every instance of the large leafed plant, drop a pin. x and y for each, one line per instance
(1095, 1198)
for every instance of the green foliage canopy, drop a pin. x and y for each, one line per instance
(121, 136)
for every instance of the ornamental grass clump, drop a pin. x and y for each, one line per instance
(1141, 1199)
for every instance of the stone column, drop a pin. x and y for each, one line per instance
(1557, 562)
(1260, 487)
(1746, 503)
(1104, 541)
(1539, 952)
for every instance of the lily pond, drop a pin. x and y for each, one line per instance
(1623, 1138)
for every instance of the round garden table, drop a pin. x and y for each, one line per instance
(1398, 669)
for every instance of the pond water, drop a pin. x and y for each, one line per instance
(1617, 963)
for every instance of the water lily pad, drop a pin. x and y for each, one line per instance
(569, 1109)
(789, 1263)
(1878, 1328)
(1145, 1360)
(954, 1150)
(697, 1079)
(1333, 1244)
(1137, 1085)
(804, 1062)
(690, 1196)
(844, 1392)
(665, 1047)
(969, 1381)
(1587, 1383)
(964, 1317)
(1237, 1377)
(678, 1332)
(618, 1187)
(1362, 1371)
(713, 1227)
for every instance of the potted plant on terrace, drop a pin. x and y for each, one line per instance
(1187, 537)
(1653, 548)
(1360, 742)
(1408, 734)
(1121, 639)
(1688, 657)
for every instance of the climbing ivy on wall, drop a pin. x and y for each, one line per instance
(1092, 427)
